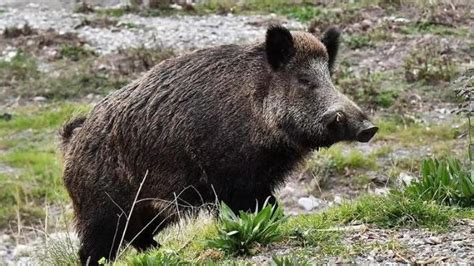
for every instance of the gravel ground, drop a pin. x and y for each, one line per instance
(401, 246)
(176, 32)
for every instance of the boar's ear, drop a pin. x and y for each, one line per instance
(279, 46)
(330, 39)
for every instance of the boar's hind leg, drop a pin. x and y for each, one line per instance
(97, 240)
(145, 224)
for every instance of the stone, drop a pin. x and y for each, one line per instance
(405, 179)
(309, 203)
(39, 99)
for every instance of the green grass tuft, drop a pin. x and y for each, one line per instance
(240, 234)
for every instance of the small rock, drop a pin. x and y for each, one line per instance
(39, 99)
(30, 43)
(433, 240)
(356, 26)
(381, 191)
(22, 251)
(176, 7)
(10, 55)
(338, 199)
(405, 179)
(366, 24)
(309, 203)
(5, 238)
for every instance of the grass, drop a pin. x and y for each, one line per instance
(336, 159)
(324, 230)
(31, 149)
(413, 134)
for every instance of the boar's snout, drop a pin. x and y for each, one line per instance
(367, 132)
(349, 126)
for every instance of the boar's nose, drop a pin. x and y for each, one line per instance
(367, 132)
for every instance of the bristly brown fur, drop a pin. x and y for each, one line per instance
(229, 122)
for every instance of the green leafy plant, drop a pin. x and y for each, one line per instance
(242, 234)
(288, 261)
(444, 181)
(156, 258)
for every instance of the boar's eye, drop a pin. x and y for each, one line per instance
(305, 80)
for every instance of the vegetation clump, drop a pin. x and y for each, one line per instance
(429, 64)
(444, 181)
(14, 32)
(242, 234)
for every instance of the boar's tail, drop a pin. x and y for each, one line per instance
(67, 131)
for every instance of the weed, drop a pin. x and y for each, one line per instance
(429, 64)
(84, 8)
(370, 38)
(444, 181)
(59, 249)
(302, 13)
(372, 89)
(74, 52)
(99, 22)
(359, 41)
(14, 32)
(217, 6)
(288, 261)
(425, 26)
(241, 234)
(21, 66)
(329, 17)
(128, 25)
(155, 258)
(117, 11)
